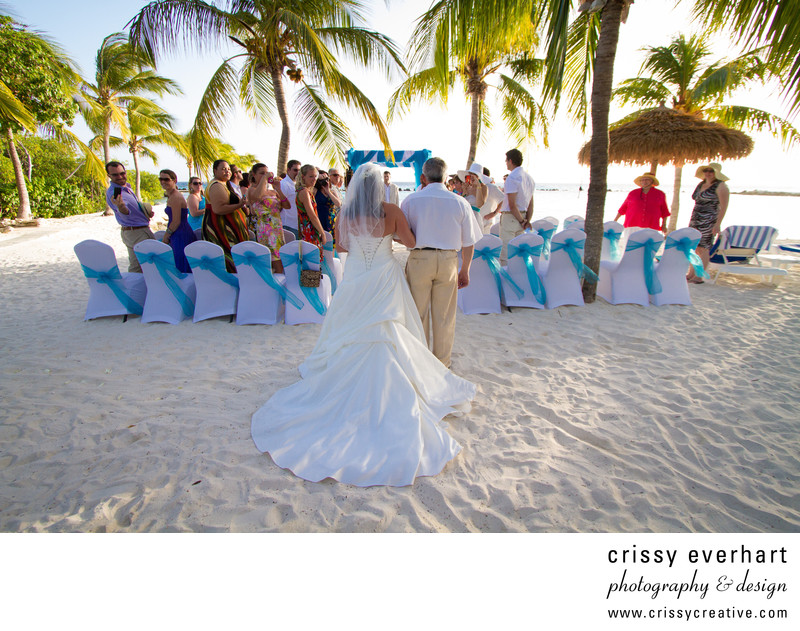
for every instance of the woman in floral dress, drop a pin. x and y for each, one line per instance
(266, 201)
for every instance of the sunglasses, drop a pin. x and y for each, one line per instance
(165, 179)
(708, 170)
(196, 183)
(117, 174)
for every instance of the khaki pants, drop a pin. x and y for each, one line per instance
(433, 279)
(509, 228)
(131, 238)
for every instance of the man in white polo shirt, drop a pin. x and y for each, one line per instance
(517, 208)
(289, 215)
(443, 224)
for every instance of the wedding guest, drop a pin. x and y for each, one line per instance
(266, 202)
(130, 213)
(288, 186)
(646, 206)
(391, 192)
(179, 233)
(309, 225)
(196, 200)
(224, 222)
(327, 202)
(710, 204)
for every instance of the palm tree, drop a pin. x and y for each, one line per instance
(449, 47)
(123, 78)
(276, 41)
(147, 126)
(679, 73)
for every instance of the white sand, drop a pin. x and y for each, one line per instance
(596, 418)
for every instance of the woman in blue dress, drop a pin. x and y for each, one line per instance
(196, 202)
(179, 233)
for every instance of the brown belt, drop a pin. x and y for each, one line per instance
(134, 227)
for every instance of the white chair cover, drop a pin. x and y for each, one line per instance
(159, 235)
(333, 267)
(259, 302)
(576, 224)
(198, 234)
(482, 295)
(495, 230)
(217, 289)
(310, 311)
(613, 245)
(551, 219)
(111, 292)
(569, 221)
(288, 236)
(545, 228)
(170, 293)
(532, 286)
(624, 282)
(671, 270)
(561, 280)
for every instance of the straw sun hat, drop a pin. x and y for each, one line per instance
(717, 171)
(475, 169)
(638, 180)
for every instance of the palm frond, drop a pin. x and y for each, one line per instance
(522, 113)
(644, 91)
(218, 100)
(424, 86)
(752, 119)
(327, 133)
(256, 91)
(582, 39)
(13, 111)
(369, 48)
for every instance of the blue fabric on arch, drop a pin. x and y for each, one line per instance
(415, 159)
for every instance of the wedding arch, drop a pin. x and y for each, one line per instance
(414, 159)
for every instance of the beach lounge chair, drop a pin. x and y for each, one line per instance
(331, 265)
(612, 245)
(632, 279)
(261, 293)
(571, 220)
(315, 300)
(483, 294)
(217, 288)
(170, 293)
(671, 269)
(565, 269)
(524, 257)
(738, 246)
(111, 292)
(545, 228)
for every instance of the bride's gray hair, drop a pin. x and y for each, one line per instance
(362, 213)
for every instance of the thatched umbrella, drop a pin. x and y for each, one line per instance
(664, 135)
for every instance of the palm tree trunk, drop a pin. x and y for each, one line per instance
(283, 112)
(676, 197)
(28, 160)
(474, 121)
(598, 169)
(107, 154)
(138, 173)
(653, 166)
(24, 210)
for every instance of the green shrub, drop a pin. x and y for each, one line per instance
(49, 197)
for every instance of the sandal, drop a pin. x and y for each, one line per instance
(696, 281)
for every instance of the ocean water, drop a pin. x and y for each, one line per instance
(562, 200)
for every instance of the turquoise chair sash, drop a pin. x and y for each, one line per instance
(262, 264)
(650, 248)
(613, 243)
(492, 258)
(328, 247)
(527, 252)
(687, 246)
(113, 279)
(547, 235)
(309, 292)
(165, 264)
(571, 247)
(215, 265)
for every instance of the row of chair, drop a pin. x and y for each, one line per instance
(532, 280)
(253, 294)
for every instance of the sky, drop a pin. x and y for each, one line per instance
(442, 129)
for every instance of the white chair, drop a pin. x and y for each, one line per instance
(576, 224)
(170, 293)
(562, 279)
(632, 279)
(671, 269)
(545, 228)
(288, 236)
(159, 235)
(612, 244)
(482, 295)
(198, 234)
(315, 300)
(260, 291)
(524, 254)
(569, 221)
(495, 230)
(111, 292)
(217, 288)
(331, 265)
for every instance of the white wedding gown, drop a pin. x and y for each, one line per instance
(370, 405)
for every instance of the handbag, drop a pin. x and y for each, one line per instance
(308, 277)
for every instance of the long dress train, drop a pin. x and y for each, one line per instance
(370, 405)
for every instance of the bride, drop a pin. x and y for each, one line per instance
(369, 407)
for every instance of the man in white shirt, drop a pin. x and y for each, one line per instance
(392, 192)
(443, 225)
(517, 208)
(289, 215)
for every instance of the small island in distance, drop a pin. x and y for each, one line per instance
(772, 193)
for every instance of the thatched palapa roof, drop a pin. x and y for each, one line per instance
(667, 135)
